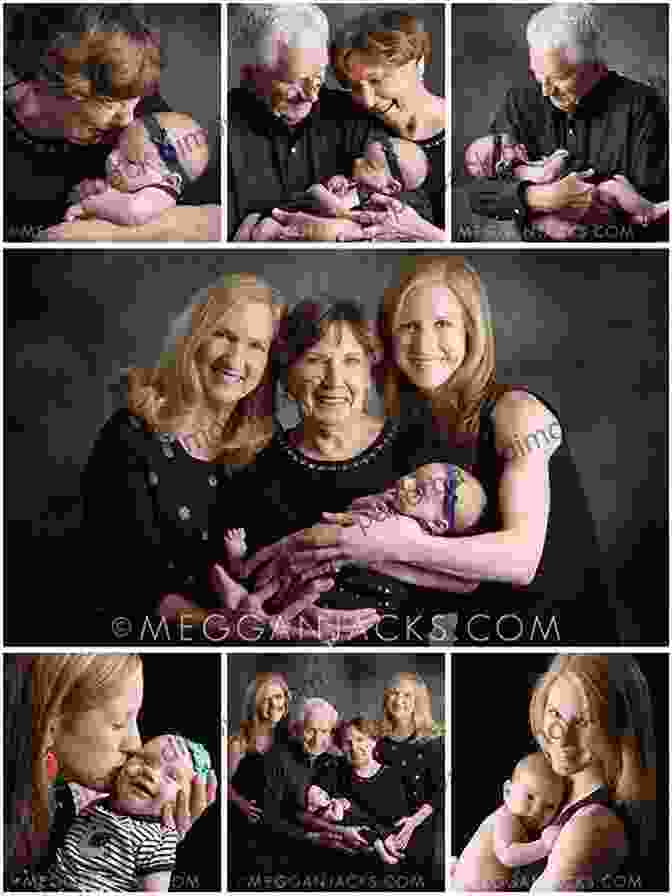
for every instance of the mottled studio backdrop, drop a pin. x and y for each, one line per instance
(490, 55)
(432, 15)
(352, 682)
(586, 329)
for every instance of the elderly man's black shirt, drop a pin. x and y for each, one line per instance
(270, 163)
(620, 127)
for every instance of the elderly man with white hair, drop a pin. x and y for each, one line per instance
(290, 769)
(611, 128)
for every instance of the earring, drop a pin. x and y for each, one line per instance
(421, 68)
(52, 765)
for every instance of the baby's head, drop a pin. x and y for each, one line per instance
(481, 156)
(535, 792)
(167, 149)
(318, 802)
(373, 171)
(444, 498)
(154, 775)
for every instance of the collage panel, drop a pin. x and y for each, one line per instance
(337, 122)
(336, 768)
(96, 748)
(373, 510)
(569, 142)
(106, 138)
(569, 784)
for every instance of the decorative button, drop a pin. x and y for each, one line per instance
(403, 762)
(171, 564)
(205, 535)
(293, 150)
(420, 755)
(190, 580)
(184, 513)
(135, 422)
(212, 480)
(417, 777)
(167, 449)
(153, 479)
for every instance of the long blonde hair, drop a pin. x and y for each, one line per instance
(170, 396)
(422, 704)
(619, 702)
(461, 398)
(64, 685)
(254, 694)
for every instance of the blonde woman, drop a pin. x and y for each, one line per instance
(537, 552)
(411, 744)
(161, 494)
(592, 717)
(75, 716)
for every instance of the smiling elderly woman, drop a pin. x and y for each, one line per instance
(338, 452)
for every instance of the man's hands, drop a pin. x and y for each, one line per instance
(572, 191)
(183, 223)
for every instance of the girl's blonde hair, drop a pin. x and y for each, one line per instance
(422, 704)
(459, 400)
(170, 396)
(63, 686)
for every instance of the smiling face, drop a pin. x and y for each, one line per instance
(93, 745)
(271, 704)
(430, 338)
(154, 776)
(558, 77)
(98, 120)
(358, 747)
(291, 87)
(399, 700)
(332, 378)
(381, 89)
(317, 729)
(573, 740)
(232, 361)
(534, 799)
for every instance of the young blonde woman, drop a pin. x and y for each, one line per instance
(75, 716)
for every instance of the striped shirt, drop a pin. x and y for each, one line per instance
(103, 850)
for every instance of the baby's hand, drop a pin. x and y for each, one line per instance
(550, 834)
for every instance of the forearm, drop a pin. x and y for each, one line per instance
(424, 579)
(513, 855)
(423, 813)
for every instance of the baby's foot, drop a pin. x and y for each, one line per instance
(235, 548)
(230, 593)
(619, 192)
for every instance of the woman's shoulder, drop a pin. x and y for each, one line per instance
(595, 833)
(521, 416)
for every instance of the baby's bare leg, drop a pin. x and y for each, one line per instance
(618, 192)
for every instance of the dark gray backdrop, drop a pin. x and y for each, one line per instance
(432, 14)
(352, 682)
(490, 54)
(587, 329)
(190, 37)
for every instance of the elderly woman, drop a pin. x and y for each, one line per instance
(338, 452)
(77, 75)
(71, 722)
(381, 59)
(266, 703)
(161, 482)
(592, 717)
(537, 552)
(410, 743)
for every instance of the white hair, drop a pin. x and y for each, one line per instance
(256, 29)
(312, 705)
(573, 26)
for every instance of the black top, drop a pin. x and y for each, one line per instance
(435, 185)
(382, 796)
(567, 600)
(154, 518)
(421, 762)
(620, 127)
(289, 772)
(40, 173)
(294, 491)
(270, 163)
(249, 778)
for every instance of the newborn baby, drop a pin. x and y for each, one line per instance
(119, 843)
(515, 834)
(440, 498)
(154, 159)
(394, 167)
(613, 193)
